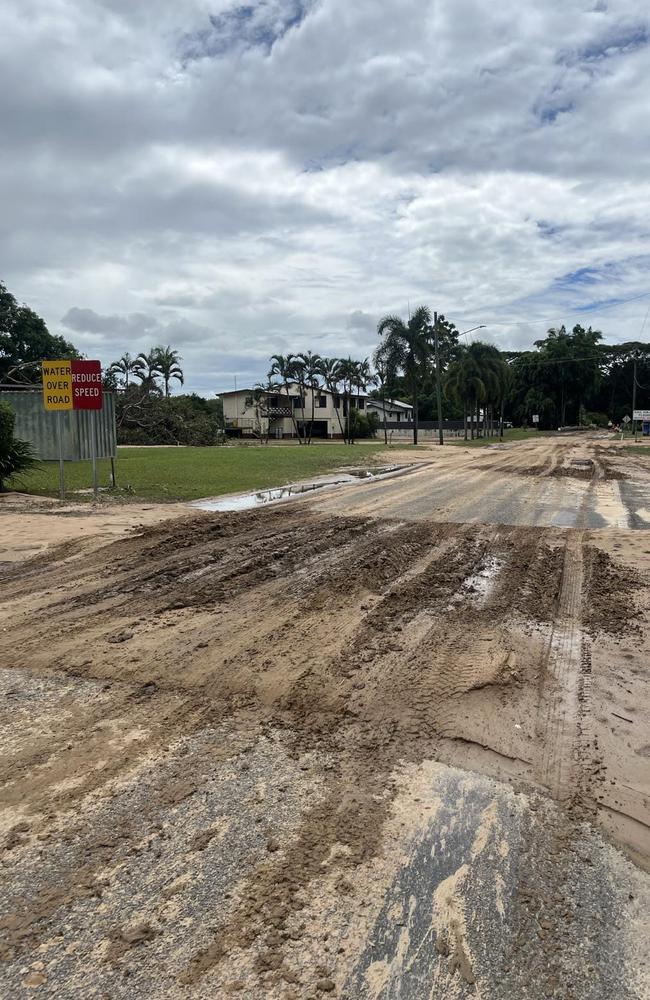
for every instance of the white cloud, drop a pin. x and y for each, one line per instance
(240, 179)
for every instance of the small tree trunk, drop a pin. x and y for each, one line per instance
(383, 406)
(414, 400)
(337, 410)
(311, 424)
(292, 412)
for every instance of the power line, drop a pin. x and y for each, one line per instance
(577, 312)
(568, 361)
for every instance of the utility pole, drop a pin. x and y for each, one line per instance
(438, 387)
(634, 397)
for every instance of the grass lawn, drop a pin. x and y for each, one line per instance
(510, 434)
(169, 474)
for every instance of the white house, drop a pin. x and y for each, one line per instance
(249, 413)
(396, 411)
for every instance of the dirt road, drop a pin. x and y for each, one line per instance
(390, 740)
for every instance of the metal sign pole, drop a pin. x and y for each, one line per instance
(93, 439)
(61, 469)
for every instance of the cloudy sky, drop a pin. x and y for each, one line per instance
(242, 179)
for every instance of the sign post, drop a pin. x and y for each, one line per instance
(57, 396)
(88, 394)
(73, 385)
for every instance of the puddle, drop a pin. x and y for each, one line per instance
(248, 501)
(479, 585)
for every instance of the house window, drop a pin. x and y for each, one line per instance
(398, 417)
(248, 401)
(361, 403)
(298, 403)
(321, 402)
(337, 402)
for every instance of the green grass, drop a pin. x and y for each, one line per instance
(171, 474)
(511, 434)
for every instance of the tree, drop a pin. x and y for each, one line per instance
(489, 367)
(284, 367)
(15, 456)
(25, 341)
(383, 378)
(465, 385)
(168, 365)
(363, 378)
(124, 367)
(311, 367)
(330, 372)
(146, 417)
(409, 348)
(147, 369)
(261, 393)
(349, 375)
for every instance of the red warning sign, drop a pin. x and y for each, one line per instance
(87, 388)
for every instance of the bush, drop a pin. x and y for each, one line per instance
(364, 425)
(599, 419)
(15, 456)
(144, 417)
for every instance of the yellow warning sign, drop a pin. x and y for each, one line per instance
(57, 385)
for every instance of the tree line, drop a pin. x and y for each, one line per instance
(567, 378)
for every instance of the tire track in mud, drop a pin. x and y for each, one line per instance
(559, 702)
(404, 670)
(384, 686)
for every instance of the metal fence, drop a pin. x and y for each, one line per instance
(40, 427)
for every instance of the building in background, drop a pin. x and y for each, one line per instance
(247, 413)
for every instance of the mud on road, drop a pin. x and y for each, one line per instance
(331, 748)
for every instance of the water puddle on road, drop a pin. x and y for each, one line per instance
(478, 587)
(249, 501)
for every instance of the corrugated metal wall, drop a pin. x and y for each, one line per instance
(38, 426)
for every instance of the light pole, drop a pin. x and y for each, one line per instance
(441, 439)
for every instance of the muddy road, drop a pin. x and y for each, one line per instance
(391, 740)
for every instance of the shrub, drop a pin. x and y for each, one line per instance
(15, 456)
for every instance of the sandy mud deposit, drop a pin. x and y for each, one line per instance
(390, 742)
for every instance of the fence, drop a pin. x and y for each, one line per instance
(40, 427)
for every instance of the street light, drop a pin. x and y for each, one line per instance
(481, 327)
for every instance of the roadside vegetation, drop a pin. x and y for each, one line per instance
(568, 379)
(15, 456)
(173, 474)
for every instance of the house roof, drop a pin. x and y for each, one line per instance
(321, 391)
(395, 404)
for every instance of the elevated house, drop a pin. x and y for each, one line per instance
(248, 413)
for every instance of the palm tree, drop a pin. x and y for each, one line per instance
(261, 393)
(330, 372)
(348, 375)
(168, 364)
(489, 364)
(383, 377)
(363, 378)
(284, 367)
(408, 348)
(147, 369)
(310, 364)
(125, 366)
(462, 384)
